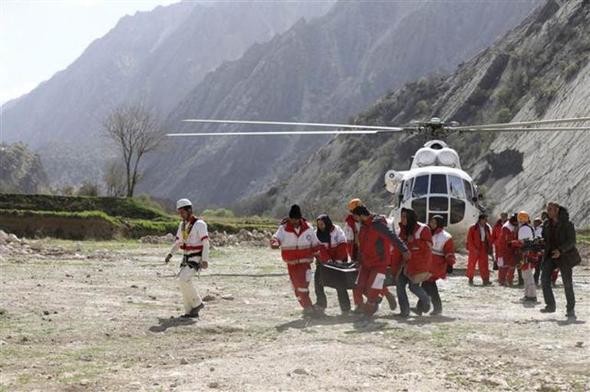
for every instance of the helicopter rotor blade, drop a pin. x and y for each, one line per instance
(520, 129)
(302, 124)
(274, 133)
(524, 123)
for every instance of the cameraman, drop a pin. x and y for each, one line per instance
(538, 227)
(560, 252)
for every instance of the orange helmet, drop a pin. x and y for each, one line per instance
(523, 217)
(354, 203)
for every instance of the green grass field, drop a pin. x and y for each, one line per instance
(79, 217)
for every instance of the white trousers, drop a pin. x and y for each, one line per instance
(530, 289)
(190, 297)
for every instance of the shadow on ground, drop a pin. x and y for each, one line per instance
(362, 324)
(303, 323)
(165, 323)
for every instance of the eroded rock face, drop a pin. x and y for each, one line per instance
(521, 77)
(556, 165)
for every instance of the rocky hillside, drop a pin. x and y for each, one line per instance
(540, 70)
(320, 70)
(21, 170)
(154, 58)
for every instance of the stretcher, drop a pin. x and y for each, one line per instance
(343, 275)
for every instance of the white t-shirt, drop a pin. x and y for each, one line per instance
(526, 232)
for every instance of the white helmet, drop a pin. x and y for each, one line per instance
(183, 203)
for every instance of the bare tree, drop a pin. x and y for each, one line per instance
(114, 178)
(136, 132)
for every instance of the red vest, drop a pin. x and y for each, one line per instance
(336, 249)
(443, 254)
(505, 248)
(420, 246)
(297, 246)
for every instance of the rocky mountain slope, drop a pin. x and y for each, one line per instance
(154, 58)
(321, 70)
(540, 70)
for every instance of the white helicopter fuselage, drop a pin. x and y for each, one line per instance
(436, 185)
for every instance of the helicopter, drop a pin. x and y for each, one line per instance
(435, 184)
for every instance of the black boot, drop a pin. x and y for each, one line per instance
(194, 313)
(391, 300)
(548, 309)
(432, 290)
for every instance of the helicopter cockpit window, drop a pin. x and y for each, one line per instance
(457, 210)
(419, 206)
(420, 186)
(438, 183)
(457, 188)
(438, 204)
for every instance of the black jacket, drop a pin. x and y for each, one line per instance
(561, 236)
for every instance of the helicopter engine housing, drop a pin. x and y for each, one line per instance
(393, 180)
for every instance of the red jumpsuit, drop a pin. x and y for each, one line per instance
(478, 251)
(419, 267)
(376, 240)
(351, 231)
(298, 246)
(495, 237)
(507, 258)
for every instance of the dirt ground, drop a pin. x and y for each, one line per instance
(101, 316)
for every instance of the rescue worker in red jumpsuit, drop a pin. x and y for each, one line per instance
(479, 246)
(496, 234)
(415, 269)
(507, 259)
(376, 240)
(299, 246)
(443, 259)
(351, 230)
